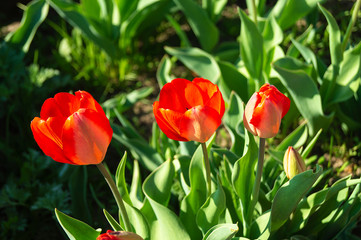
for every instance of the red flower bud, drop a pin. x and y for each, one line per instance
(189, 111)
(72, 129)
(264, 111)
(120, 235)
(293, 163)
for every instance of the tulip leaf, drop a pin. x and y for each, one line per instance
(272, 34)
(136, 194)
(289, 195)
(120, 179)
(310, 145)
(296, 139)
(115, 225)
(205, 30)
(34, 15)
(198, 61)
(163, 71)
(287, 12)
(251, 44)
(209, 214)
(348, 80)
(225, 231)
(243, 175)
(259, 226)
(72, 13)
(156, 187)
(304, 93)
(232, 80)
(138, 221)
(232, 120)
(311, 204)
(197, 196)
(307, 54)
(75, 229)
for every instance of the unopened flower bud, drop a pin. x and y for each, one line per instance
(293, 163)
(119, 235)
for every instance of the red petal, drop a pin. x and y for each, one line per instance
(86, 137)
(87, 101)
(48, 141)
(50, 108)
(200, 123)
(248, 113)
(168, 121)
(180, 95)
(208, 89)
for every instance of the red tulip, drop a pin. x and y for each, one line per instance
(120, 235)
(189, 111)
(264, 111)
(72, 129)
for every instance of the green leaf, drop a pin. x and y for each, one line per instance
(136, 194)
(157, 189)
(287, 12)
(243, 176)
(310, 145)
(75, 229)
(72, 13)
(335, 37)
(304, 93)
(232, 120)
(115, 225)
(163, 71)
(348, 80)
(205, 30)
(34, 15)
(232, 80)
(251, 44)
(198, 61)
(296, 139)
(259, 226)
(225, 231)
(138, 221)
(120, 179)
(307, 54)
(272, 34)
(209, 214)
(289, 195)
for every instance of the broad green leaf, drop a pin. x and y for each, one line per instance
(232, 119)
(304, 39)
(71, 12)
(214, 8)
(305, 94)
(272, 34)
(259, 226)
(310, 145)
(75, 229)
(163, 71)
(115, 225)
(197, 196)
(209, 214)
(307, 54)
(225, 231)
(157, 188)
(181, 34)
(348, 81)
(251, 44)
(34, 15)
(335, 37)
(140, 224)
(232, 80)
(310, 205)
(198, 61)
(120, 179)
(136, 194)
(287, 12)
(243, 176)
(205, 30)
(78, 186)
(289, 195)
(126, 8)
(227, 51)
(296, 138)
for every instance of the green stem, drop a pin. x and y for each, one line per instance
(208, 169)
(351, 24)
(257, 182)
(116, 195)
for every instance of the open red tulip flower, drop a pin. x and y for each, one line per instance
(264, 111)
(189, 110)
(73, 129)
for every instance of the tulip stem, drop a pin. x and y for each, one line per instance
(117, 196)
(257, 182)
(208, 169)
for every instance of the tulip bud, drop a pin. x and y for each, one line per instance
(119, 235)
(293, 163)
